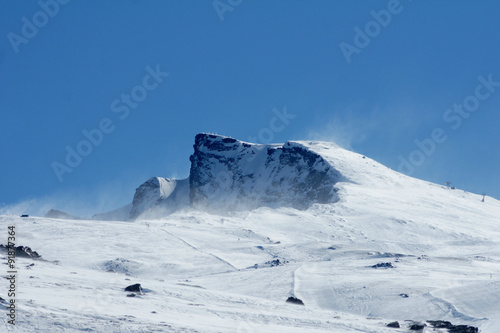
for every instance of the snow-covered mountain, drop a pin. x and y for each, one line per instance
(360, 244)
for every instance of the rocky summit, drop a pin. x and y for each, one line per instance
(227, 175)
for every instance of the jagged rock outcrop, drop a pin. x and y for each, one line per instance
(227, 174)
(21, 251)
(230, 174)
(159, 197)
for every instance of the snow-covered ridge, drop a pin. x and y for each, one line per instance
(230, 175)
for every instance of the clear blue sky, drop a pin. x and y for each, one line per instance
(83, 65)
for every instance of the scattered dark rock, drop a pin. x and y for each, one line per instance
(294, 300)
(134, 287)
(463, 329)
(25, 215)
(275, 262)
(394, 324)
(440, 323)
(271, 263)
(383, 265)
(131, 295)
(404, 295)
(23, 252)
(453, 328)
(332, 248)
(417, 327)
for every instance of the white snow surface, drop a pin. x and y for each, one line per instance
(198, 272)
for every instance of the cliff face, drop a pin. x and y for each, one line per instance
(230, 174)
(227, 174)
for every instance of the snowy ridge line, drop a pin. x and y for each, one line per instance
(228, 175)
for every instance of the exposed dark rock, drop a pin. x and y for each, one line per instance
(383, 265)
(131, 295)
(417, 326)
(134, 287)
(160, 196)
(394, 324)
(275, 262)
(404, 295)
(23, 252)
(453, 328)
(463, 329)
(289, 175)
(271, 263)
(294, 300)
(440, 323)
(25, 215)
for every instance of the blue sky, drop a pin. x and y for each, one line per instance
(373, 76)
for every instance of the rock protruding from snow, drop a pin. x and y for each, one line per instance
(294, 300)
(232, 175)
(159, 197)
(21, 251)
(134, 287)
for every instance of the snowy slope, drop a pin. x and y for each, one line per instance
(207, 272)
